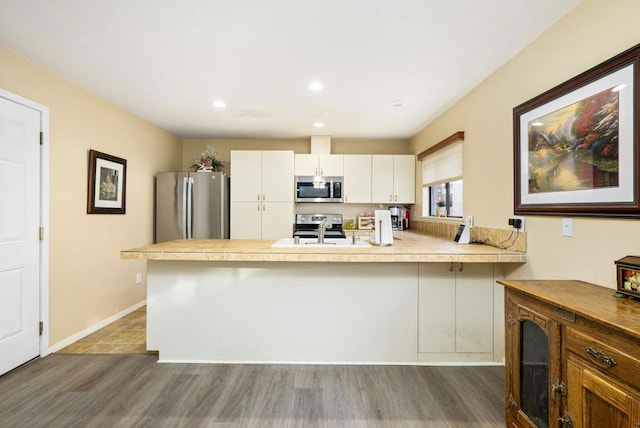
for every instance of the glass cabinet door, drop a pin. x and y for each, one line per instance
(534, 373)
(532, 367)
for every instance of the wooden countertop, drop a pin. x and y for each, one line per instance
(580, 298)
(410, 247)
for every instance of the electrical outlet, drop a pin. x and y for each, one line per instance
(139, 278)
(517, 222)
(468, 221)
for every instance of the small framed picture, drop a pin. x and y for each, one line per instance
(629, 276)
(106, 192)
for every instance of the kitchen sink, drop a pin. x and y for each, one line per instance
(328, 243)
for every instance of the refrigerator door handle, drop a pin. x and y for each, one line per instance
(190, 208)
(183, 220)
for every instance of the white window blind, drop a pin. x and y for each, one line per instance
(443, 165)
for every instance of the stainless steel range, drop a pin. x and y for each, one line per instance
(306, 225)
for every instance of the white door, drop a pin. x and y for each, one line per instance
(306, 165)
(357, 179)
(246, 220)
(404, 179)
(277, 220)
(246, 167)
(277, 176)
(19, 231)
(382, 179)
(332, 165)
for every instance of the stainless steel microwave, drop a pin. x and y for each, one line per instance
(310, 188)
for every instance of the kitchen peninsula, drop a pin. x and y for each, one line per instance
(424, 299)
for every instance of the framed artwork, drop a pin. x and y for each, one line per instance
(576, 146)
(106, 192)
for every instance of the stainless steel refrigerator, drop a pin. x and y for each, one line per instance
(191, 205)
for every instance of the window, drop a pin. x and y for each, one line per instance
(442, 183)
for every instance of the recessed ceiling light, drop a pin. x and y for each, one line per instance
(315, 86)
(219, 104)
(397, 103)
(318, 124)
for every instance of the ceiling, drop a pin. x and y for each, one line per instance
(168, 60)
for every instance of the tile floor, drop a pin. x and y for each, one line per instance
(125, 336)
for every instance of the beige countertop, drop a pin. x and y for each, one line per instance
(409, 247)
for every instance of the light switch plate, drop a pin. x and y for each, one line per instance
(567, 227)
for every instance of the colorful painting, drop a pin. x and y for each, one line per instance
(576, 147)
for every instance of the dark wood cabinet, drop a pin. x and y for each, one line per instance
(572, 356)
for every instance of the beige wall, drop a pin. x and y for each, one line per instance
(88, 281)
(593, 32)
(192, 148)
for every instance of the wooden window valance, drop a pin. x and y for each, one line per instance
(444, 143)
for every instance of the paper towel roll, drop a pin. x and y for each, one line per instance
(383, 232)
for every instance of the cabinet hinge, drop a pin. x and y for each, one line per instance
(565, 420)
(558, 386)
(41, 328)
(41, 138)
(41, 233)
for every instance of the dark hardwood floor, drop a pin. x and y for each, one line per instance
(134, 391)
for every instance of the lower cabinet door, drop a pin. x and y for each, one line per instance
(595, 401)
(277, 220)
(246, 220)
(455, 305)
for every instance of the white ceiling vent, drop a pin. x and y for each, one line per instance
(320, 144)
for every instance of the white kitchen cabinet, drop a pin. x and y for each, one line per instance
(261, 220)
(246, 175)
(457, 307)
(393, 179)
(246, 220)
(327, 165)
(357, 179)
(261, 194)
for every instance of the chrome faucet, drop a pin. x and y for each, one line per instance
(322, 227)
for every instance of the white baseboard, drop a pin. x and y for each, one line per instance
(84, 333)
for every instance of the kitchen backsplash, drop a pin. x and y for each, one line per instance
(497, 237)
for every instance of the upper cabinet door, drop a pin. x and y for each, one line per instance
(382, 179)
(306, 165)
(357, 179)
(277, 176)
(246, 175)
(331, 165)
(404, 179)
